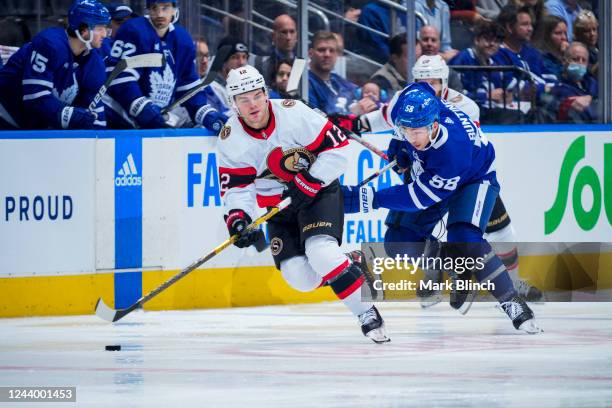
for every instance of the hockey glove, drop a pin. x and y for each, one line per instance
(396, 151)
(359, 199)
(237, 221)
(302, 190)
(208, 117)
(77, 118)
(147, 114)
(347, 122)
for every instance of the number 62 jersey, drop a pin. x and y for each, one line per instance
(254, 165)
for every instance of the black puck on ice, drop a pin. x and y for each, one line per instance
(113, 348)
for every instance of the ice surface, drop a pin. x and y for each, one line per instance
(315, 355)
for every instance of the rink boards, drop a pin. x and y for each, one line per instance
(115, 213)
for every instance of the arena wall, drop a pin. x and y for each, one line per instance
(113, 214)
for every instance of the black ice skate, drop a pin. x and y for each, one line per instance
(428, 295)
(373, 326)
(461, 299)
(521, 315)
(528, 292)
(358, 258)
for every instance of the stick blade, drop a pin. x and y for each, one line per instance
(296, 74)
(152, 60)
(104, 312)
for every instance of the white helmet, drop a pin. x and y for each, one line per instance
(243, 79)
(432, 67)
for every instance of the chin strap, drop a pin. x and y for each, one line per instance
(87, 43)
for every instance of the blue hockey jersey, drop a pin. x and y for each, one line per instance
(333, 96)
(43, 77)
(529, 59)
(161, 85)
(477, 83)
(460, 155)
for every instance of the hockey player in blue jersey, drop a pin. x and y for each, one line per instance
(453, 172)
(137, 96)
(50, 82)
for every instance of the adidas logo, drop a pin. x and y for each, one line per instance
(449, 121)
(128, 174)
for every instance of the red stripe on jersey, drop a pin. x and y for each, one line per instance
(244, 171)
(330, 137)
(351, 289)
(384, 109)
(336, 271)
(268, 201)
(261, 133)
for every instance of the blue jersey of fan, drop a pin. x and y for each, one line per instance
(160, 85)
(459, 155)
(43, 77)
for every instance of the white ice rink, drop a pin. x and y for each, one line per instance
(316, 356)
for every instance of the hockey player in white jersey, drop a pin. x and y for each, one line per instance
(281, 148)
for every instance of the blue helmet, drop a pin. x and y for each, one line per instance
(418, 107)
(151, 2)
(89, 12)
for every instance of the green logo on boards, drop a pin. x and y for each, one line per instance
(586, 176)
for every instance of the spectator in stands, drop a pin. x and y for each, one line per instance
(515, 50)
(392, 76)
(278, 87)
(238, 57)
(202, 55)
(378, 17)
(437, 14)
(568, 10)
(551, 40)
(586, 31)
(490, 8)
(536, 8)
(430, 44)
(463, 17)
(576, 92)
(328, 91)
(284, 41)
(486, 89)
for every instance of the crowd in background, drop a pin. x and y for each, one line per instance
(553, 45)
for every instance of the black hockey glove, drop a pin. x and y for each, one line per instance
(396, 151)
(302, 190)
(237, 221)
(347, 122)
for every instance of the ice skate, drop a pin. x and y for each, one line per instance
(528, 292)
(358, 258)
(429, 297)
(461, 299)
(373, 326)
(521, 315)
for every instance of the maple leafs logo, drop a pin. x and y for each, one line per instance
(68, 94)
(162, 86)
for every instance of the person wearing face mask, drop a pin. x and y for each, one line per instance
(576, 92)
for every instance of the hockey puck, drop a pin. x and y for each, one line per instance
(113, 348)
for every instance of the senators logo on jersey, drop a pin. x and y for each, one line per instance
(225, 132)
(284, 165)
(287, 103)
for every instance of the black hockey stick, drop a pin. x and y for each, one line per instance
(152, 60)
(112, 315)
(377, 173)
(218, 62)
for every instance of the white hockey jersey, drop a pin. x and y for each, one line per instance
(379, 119)
(254, 165)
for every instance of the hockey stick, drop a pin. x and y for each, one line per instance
(212, 72)
(297, 69)
(112, 315)
(365, 144)
(377, 173)
(152, 60)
